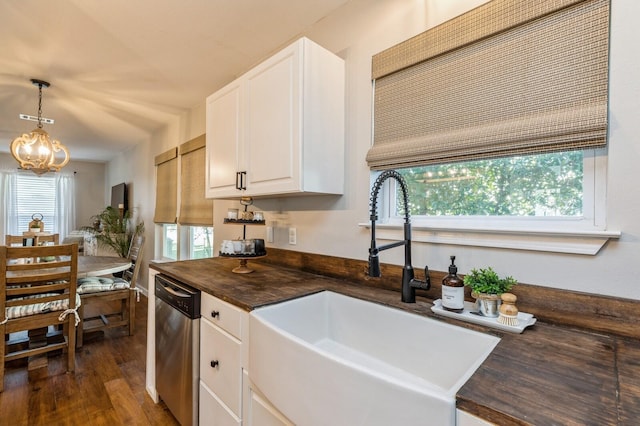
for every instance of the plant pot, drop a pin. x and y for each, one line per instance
(488, 304)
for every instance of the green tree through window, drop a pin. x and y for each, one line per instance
(524, 186)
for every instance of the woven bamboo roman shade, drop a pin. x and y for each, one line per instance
(166, 186)
(195, 208)
(507, 78)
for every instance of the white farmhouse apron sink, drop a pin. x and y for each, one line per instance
(333, 359)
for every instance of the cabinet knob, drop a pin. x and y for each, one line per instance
(215, 314)
(214, 364)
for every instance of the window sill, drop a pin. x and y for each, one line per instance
(554, 241)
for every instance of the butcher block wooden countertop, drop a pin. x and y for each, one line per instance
(548, 375)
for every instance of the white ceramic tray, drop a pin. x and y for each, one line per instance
(524, 319)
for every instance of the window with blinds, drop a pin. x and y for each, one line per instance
(498, 118)
(35, 194)
(190, 235)
(195, 208)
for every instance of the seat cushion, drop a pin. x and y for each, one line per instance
(98, 284)
(14, 312)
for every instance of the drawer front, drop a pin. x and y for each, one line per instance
(222, 314)
(213, 411)
(220, 365)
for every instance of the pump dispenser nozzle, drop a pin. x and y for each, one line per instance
(453, 269)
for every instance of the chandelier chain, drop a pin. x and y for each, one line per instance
(40, 106)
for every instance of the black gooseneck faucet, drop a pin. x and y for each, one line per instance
(409, 283)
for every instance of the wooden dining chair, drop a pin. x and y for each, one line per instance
(99, 293)
(42, 240)
(38, 290)
(18, 240)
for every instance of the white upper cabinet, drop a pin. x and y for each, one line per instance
(279, 129)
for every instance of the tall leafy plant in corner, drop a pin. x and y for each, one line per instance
(115, 230)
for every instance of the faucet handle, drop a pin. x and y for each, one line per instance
(427, 278)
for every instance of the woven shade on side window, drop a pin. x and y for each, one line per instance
(166, 186)
(509, 77)
(195, 208)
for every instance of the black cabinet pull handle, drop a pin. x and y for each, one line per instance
(215, 314)
(240, 180)
(214, 364)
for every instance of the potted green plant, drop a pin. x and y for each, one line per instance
(486, 287)
(115, 230)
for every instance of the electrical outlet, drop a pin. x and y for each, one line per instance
(292, 236)
(269, 234)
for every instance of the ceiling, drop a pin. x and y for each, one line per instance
(120, 69)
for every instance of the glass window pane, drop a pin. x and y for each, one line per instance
(201, 242)
(170, 241)
(526, 186)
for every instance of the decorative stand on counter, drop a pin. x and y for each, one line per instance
(246, 218)
(470, 314)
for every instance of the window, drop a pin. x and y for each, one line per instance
(516, 216)
(561, 191)
(498, 120)
(35, 194)
(49, 195)
(186, 242)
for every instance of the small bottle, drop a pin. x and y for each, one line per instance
(453, 290)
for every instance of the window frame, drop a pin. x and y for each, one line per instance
(184, 241)
(579, 235)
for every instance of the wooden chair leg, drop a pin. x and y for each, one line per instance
(79, 328)
(2, 349)
(71, 342)
(132, 312)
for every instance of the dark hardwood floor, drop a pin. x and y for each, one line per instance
(107, 388)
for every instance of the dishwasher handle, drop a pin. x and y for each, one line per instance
(176, 292)
(178, 295)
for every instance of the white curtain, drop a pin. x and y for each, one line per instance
(9, 207)
(65, 208)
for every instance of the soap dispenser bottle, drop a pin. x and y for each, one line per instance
(453, 289)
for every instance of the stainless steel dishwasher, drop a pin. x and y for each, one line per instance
(178, 348)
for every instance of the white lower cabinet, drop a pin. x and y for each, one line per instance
(222, 327)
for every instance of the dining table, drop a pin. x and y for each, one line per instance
(95, 266)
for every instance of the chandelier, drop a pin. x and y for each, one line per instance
(36, 151)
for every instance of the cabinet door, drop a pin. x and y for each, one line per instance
(213, 412)
(272, 123)
(224, 149)
(260, 412)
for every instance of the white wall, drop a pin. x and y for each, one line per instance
(329, 224)
(136, 168)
